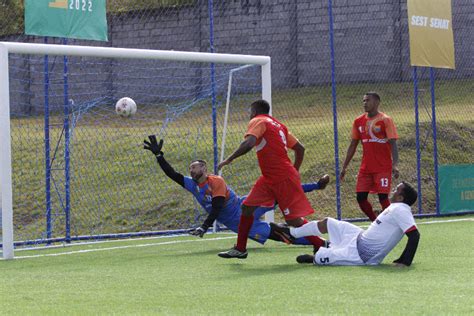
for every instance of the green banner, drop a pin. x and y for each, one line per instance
(456, 188)
(81, 19)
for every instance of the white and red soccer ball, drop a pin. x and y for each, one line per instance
(126, 107)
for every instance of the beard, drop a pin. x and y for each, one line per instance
(197, 176)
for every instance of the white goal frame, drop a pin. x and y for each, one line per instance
(6, 199)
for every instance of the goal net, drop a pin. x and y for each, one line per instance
(72, 169)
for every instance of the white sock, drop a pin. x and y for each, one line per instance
(308, 229)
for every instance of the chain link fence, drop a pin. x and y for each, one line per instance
(314, 86)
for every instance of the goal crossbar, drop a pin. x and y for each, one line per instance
(132, 53)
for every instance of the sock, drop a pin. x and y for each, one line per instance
(308, 187)
(243, 233)
(308, 229)
(385, 203)
(316, 241)
(366, 207)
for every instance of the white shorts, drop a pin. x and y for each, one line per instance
(342, 250)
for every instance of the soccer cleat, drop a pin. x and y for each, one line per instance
(323, 181)
(233, 253)
(283, 231)
(305, 259)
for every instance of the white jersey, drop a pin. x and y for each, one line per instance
(385, 232)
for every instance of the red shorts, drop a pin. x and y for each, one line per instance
(374, 182)
(288, 194)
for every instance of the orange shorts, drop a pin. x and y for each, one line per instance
(288, 194)
(374, 182)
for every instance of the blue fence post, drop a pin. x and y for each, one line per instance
(435, 138)
(66, 150)
(417, 133)
(213, 84)
(334, 110)
(47, 147)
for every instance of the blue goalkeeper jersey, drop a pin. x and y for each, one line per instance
(213, 187)
(230, 214)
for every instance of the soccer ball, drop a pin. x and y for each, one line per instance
(125, 107)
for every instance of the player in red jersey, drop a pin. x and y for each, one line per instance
(280, 179)
(378, 135)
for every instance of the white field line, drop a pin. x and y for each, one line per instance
(450, 221)
(121, 247)
(185, 241)
(441, 221)
(106, 241)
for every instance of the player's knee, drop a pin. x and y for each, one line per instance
(295, 222)
(323, 225)
(362, 196)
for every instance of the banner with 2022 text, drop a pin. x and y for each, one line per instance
(431, 33)
(80, 19)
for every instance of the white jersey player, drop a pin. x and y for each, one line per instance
(351, 245)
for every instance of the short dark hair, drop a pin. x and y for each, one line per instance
(373, 94)
(409, 193)
(261, 106)
(202, 162)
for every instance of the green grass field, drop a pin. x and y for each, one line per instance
(183, 276)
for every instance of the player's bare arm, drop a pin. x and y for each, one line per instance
(244, 148)
(349, 155)
(299, 155)
(408, 254)
(395, 172)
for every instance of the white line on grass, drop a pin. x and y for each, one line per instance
(450, 221)
(441, 221)
(187, 241)
(96, 242)
(121, 247)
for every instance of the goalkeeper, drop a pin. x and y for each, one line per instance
(219, 200)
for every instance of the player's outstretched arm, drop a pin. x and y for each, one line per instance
(155, 148)
(350, 153)
(299, 155)
(244, 148)
(395, 172)
(410, 249)
(217, 206)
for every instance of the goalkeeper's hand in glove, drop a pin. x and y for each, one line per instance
(153, 145)
(200, 231)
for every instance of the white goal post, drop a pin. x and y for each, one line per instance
(6, 48)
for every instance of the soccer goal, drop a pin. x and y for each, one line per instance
(71, 169)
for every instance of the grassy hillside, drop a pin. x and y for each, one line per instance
(117, 187)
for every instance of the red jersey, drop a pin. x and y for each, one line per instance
(273, 139)
(375, 132)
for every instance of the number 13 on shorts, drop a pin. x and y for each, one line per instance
(383, 181)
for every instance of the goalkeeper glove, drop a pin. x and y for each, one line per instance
(200, 231)
(153, 145)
